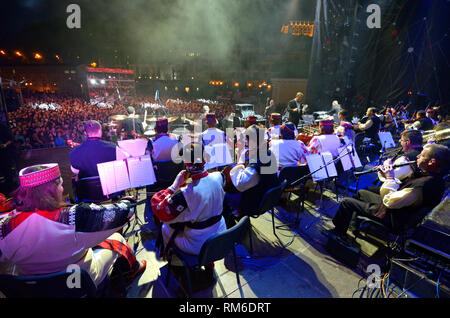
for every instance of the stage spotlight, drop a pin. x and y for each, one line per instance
(93, 81)
(37, 56)
(102, 81)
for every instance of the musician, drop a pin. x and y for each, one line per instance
(132, 123)
(275, 124)
(43, 235)
(335, 109)
(326, 140)
(346, 132)
(191, 213)
(270, 108)
(431, 114)
(161, 145)
(251, 120)
(371, 126)
(254, 177)
(399, 202)
(294, 108)
(422, 122)
(85, 157)
(212, 135)
(287, 149)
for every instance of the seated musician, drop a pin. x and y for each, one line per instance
(370, 126)
(132, 123)
(422, 122)
(254, 177)
(192, 212)
(273, 132)
(161, 145)
(345, 130)
(287, 149)
(43, 235)
(85, 157)
(432, 115)
(250, 120)
(326, 140)
(399, 201)
(212, 135)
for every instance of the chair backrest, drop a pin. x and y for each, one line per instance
(293, 173)
(165, 173)
(220, 244)
(271, 198)
(53, 285)
(90, 190)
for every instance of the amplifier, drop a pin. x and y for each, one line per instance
(417, 281)
(342, 251)
(433, 257)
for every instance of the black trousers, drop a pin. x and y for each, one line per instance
(366, 204)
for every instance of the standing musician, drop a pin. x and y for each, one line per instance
(252, 178)
(294, 107)
(287, 149)
(212, 135)
(422, 122)
(335, 109)
(399, 202)
(43, 235)
(326, 140)
(161, 145)
(85, 157)
(192, 212)
(132, 123)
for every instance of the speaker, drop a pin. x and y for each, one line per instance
(343, 251)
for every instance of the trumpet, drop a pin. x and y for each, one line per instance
(395, 165)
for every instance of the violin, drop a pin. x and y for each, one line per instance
(305, 137)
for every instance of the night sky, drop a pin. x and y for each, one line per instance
(148, 30)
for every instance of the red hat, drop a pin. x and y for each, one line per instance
(162, 122)
(275, 116)
(430, 110)
(210, 117)
(36, 178)
(251, 119)
(326, 122)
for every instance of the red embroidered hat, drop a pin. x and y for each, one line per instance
(162, 122)
(346, 125)
(275, 116)
(251, 119)
(36, 178)
(326, 122)
(210, 117)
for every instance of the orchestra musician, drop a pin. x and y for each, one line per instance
(335, 109)
(398, 202)
(132, 123)
(273, 132)
(85, 157)
(421, 122)
(162, 144)
(287, 149)
(253, 178)
(326, 140)
(431, 114)
(346, 132)
(369, 125)
(212, 135)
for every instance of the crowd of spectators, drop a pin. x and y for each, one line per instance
(36, 127)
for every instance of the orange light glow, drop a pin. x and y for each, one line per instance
(236, 84)
(18, 53)
(2, 52)
(37, 56)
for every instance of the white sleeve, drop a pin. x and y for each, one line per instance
(244, 178)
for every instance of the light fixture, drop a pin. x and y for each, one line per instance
(93, 81)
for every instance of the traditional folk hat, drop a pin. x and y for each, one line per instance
(275, 116)
(162, 122)
(251, 119)
(288, 131)
(35, 178)
(210, 117)
(325, 122)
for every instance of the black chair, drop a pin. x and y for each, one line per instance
(90, 190)
(53, 285)
(216, 247)
(269, 201)
(291, 174)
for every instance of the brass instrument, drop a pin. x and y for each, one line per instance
(436, 136)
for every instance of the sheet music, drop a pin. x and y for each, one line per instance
(348, 159)
(386, 139)
(134, 147)
(113, 176)
(140, 171)
(317, 161)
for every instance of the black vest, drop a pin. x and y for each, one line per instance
(425, 124)
(433, 188)
(372, 132)
(252, 198)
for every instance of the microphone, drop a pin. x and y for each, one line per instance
(377, 169)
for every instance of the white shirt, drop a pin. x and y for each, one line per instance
(289, 152)
(212, 136)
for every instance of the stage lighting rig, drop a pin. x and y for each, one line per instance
(298, 28)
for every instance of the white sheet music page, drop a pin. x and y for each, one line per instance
(346, 160)
(315, 162)
(133, 147)
(140, 170)
(330, 166)
(219, 155)
(113, 176)
(386, 139)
